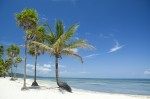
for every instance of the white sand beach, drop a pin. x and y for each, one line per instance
(12, 90)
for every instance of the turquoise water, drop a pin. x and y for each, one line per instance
(121, 86)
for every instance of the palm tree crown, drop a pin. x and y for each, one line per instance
(28, 18)
(13, 51)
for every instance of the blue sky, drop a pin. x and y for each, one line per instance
(119, 30)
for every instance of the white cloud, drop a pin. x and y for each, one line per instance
(106, 36)
(147, 72)
(92, 55)
(62, 66)
(75, 73)
(30, 65)
(116, 47)
(41, 69)
(75, 50)
(47, 65)
(22, 45)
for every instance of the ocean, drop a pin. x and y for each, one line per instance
(118, 86)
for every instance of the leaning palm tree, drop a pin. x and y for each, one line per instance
(12, 51)
(27, 19)
(59, 44)
(34, 50)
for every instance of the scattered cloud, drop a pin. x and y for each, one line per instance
(116, 47)
(106, 36)
(22, 45)
(147, 72)
(73, 73)
(41, 69)
(62, 66)
(47, 65)
(30, 65)
(43, 18)
(92, 55)
(75, 50)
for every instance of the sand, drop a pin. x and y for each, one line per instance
(12, 90)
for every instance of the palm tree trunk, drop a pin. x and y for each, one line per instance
(35, 83)
(57, 75)
(11, 72)
(24, 84)
(15, 73)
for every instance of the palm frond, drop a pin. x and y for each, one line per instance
(41, 45)
(59, 28)
(78, 44)
(65, 37)
(72, 53)
(51, 38)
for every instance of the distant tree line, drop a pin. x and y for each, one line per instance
(10, 62)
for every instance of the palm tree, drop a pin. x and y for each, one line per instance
(12, 51)
(59, 44)
(34, 50)
(17, 61)
(8, 64)
(27, 19)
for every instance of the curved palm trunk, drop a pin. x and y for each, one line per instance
(35, 83)
(24, 84)
(57, 75)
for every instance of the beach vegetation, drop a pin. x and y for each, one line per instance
(12, 51)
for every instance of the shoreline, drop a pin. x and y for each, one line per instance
(12, 89)
(52, 82)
